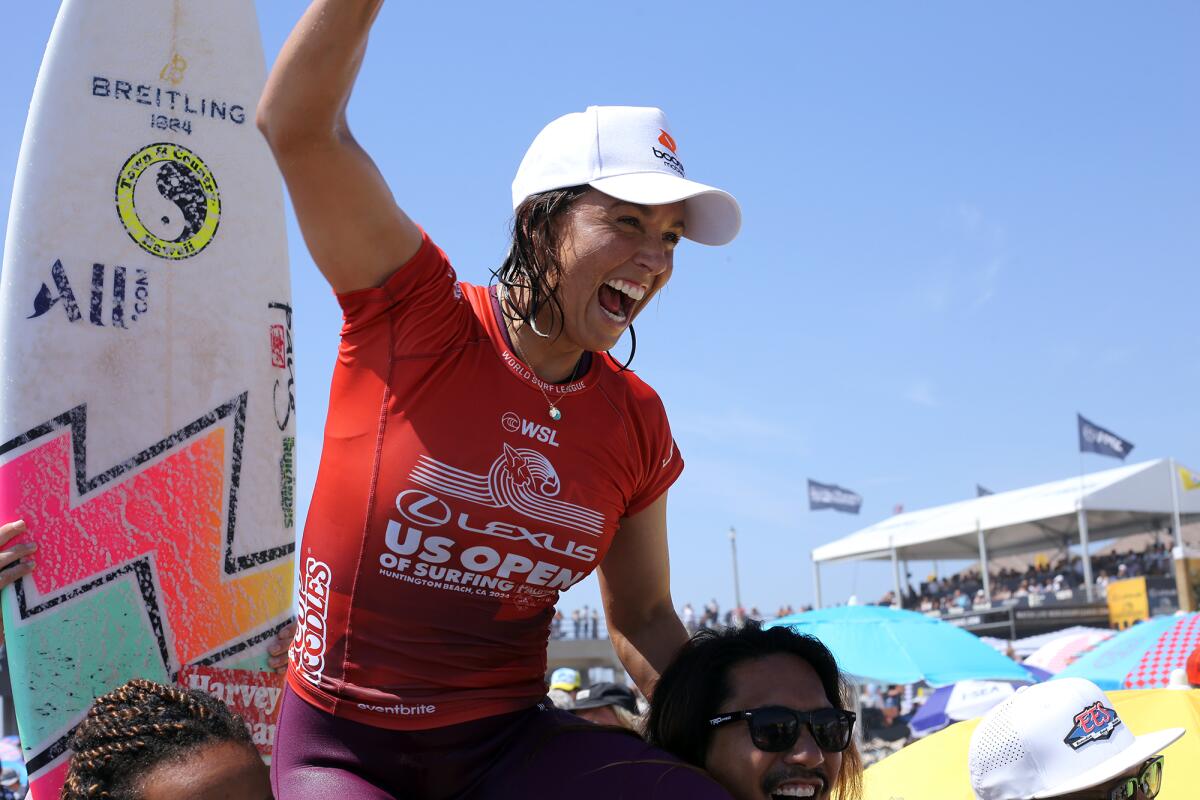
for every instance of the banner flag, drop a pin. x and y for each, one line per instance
(1191, 480)
(828, 495)
(1094, 439)
(981, 491)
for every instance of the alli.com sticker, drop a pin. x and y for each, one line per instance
(168, 201)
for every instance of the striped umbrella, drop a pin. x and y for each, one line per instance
(1141, 657)
(1057, 654)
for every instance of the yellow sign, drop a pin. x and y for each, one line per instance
(1128, 602)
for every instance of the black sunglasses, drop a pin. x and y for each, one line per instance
(1149, 780)
(775, 728)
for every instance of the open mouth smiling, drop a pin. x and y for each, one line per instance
(618, 297)
(798, 789)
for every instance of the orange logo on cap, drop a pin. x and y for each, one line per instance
(667, 141)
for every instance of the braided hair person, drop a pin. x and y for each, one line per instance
(482, 452)
(150, 741)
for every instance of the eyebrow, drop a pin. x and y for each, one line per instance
(645, 210)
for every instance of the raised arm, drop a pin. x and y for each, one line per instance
(635, 585)
(356, 232)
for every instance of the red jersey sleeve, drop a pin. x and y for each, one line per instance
(661, 461)
(421, 301)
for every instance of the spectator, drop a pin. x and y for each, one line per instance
(1063, 740)
(762, 711)
(557, 631)
(10, 785)
(564, 682)
(150, 741)
(576, 619)
(712, 614)
(609, 704)
(688, 617)
(595, 623)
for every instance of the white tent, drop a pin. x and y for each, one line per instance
(1099, 505)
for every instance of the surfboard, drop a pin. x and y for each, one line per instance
(147, 409)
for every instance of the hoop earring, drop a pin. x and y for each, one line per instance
(533, 327)
(632, 349)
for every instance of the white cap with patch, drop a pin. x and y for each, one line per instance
(626, 152)
(1055, 738)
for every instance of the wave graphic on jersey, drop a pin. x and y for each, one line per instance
(521, 479)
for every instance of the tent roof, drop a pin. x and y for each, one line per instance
(1117, 501)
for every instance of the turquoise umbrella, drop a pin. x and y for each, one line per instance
(1140, 657)
(884, 644)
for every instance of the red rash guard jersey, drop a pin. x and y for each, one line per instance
(450, 510)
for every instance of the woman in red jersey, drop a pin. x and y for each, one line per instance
(482, 453)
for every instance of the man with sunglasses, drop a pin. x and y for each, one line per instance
(1063, 739)
(763, 711)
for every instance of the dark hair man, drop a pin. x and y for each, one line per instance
(762, 710)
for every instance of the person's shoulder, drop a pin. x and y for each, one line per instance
(629, 388)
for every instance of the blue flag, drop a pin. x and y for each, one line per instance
(982, 491)
(1094, 439)
(827, 495)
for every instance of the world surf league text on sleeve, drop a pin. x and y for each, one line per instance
(170, 99)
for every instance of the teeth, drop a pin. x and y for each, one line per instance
(617, 318)
(795, 791)
(630, 289)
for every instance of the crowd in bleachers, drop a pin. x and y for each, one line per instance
(588, 623)
(1060, 580)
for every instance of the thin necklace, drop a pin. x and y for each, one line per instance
(555, 412)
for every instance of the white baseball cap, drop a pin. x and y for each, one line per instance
(626, 152)
(1055, 738)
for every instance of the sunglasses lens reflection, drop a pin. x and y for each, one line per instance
(774, 729)
(1152, 777)
(777, 729)
(831, 730)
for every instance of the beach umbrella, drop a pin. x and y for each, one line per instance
(936, 766)
(1037, 674)
(963, 700)
(1057, 654)
(888, 645)
(1141, 657)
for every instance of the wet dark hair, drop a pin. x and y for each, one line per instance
(691, 690)
(137, 726)
(532, 268)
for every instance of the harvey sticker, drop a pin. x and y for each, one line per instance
(254, 696)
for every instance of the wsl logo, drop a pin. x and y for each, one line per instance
(539, 433)
(168, 202)
(1094, 723)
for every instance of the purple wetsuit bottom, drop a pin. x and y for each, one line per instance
(536, 753)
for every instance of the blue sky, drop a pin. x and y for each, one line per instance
(963, 223)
